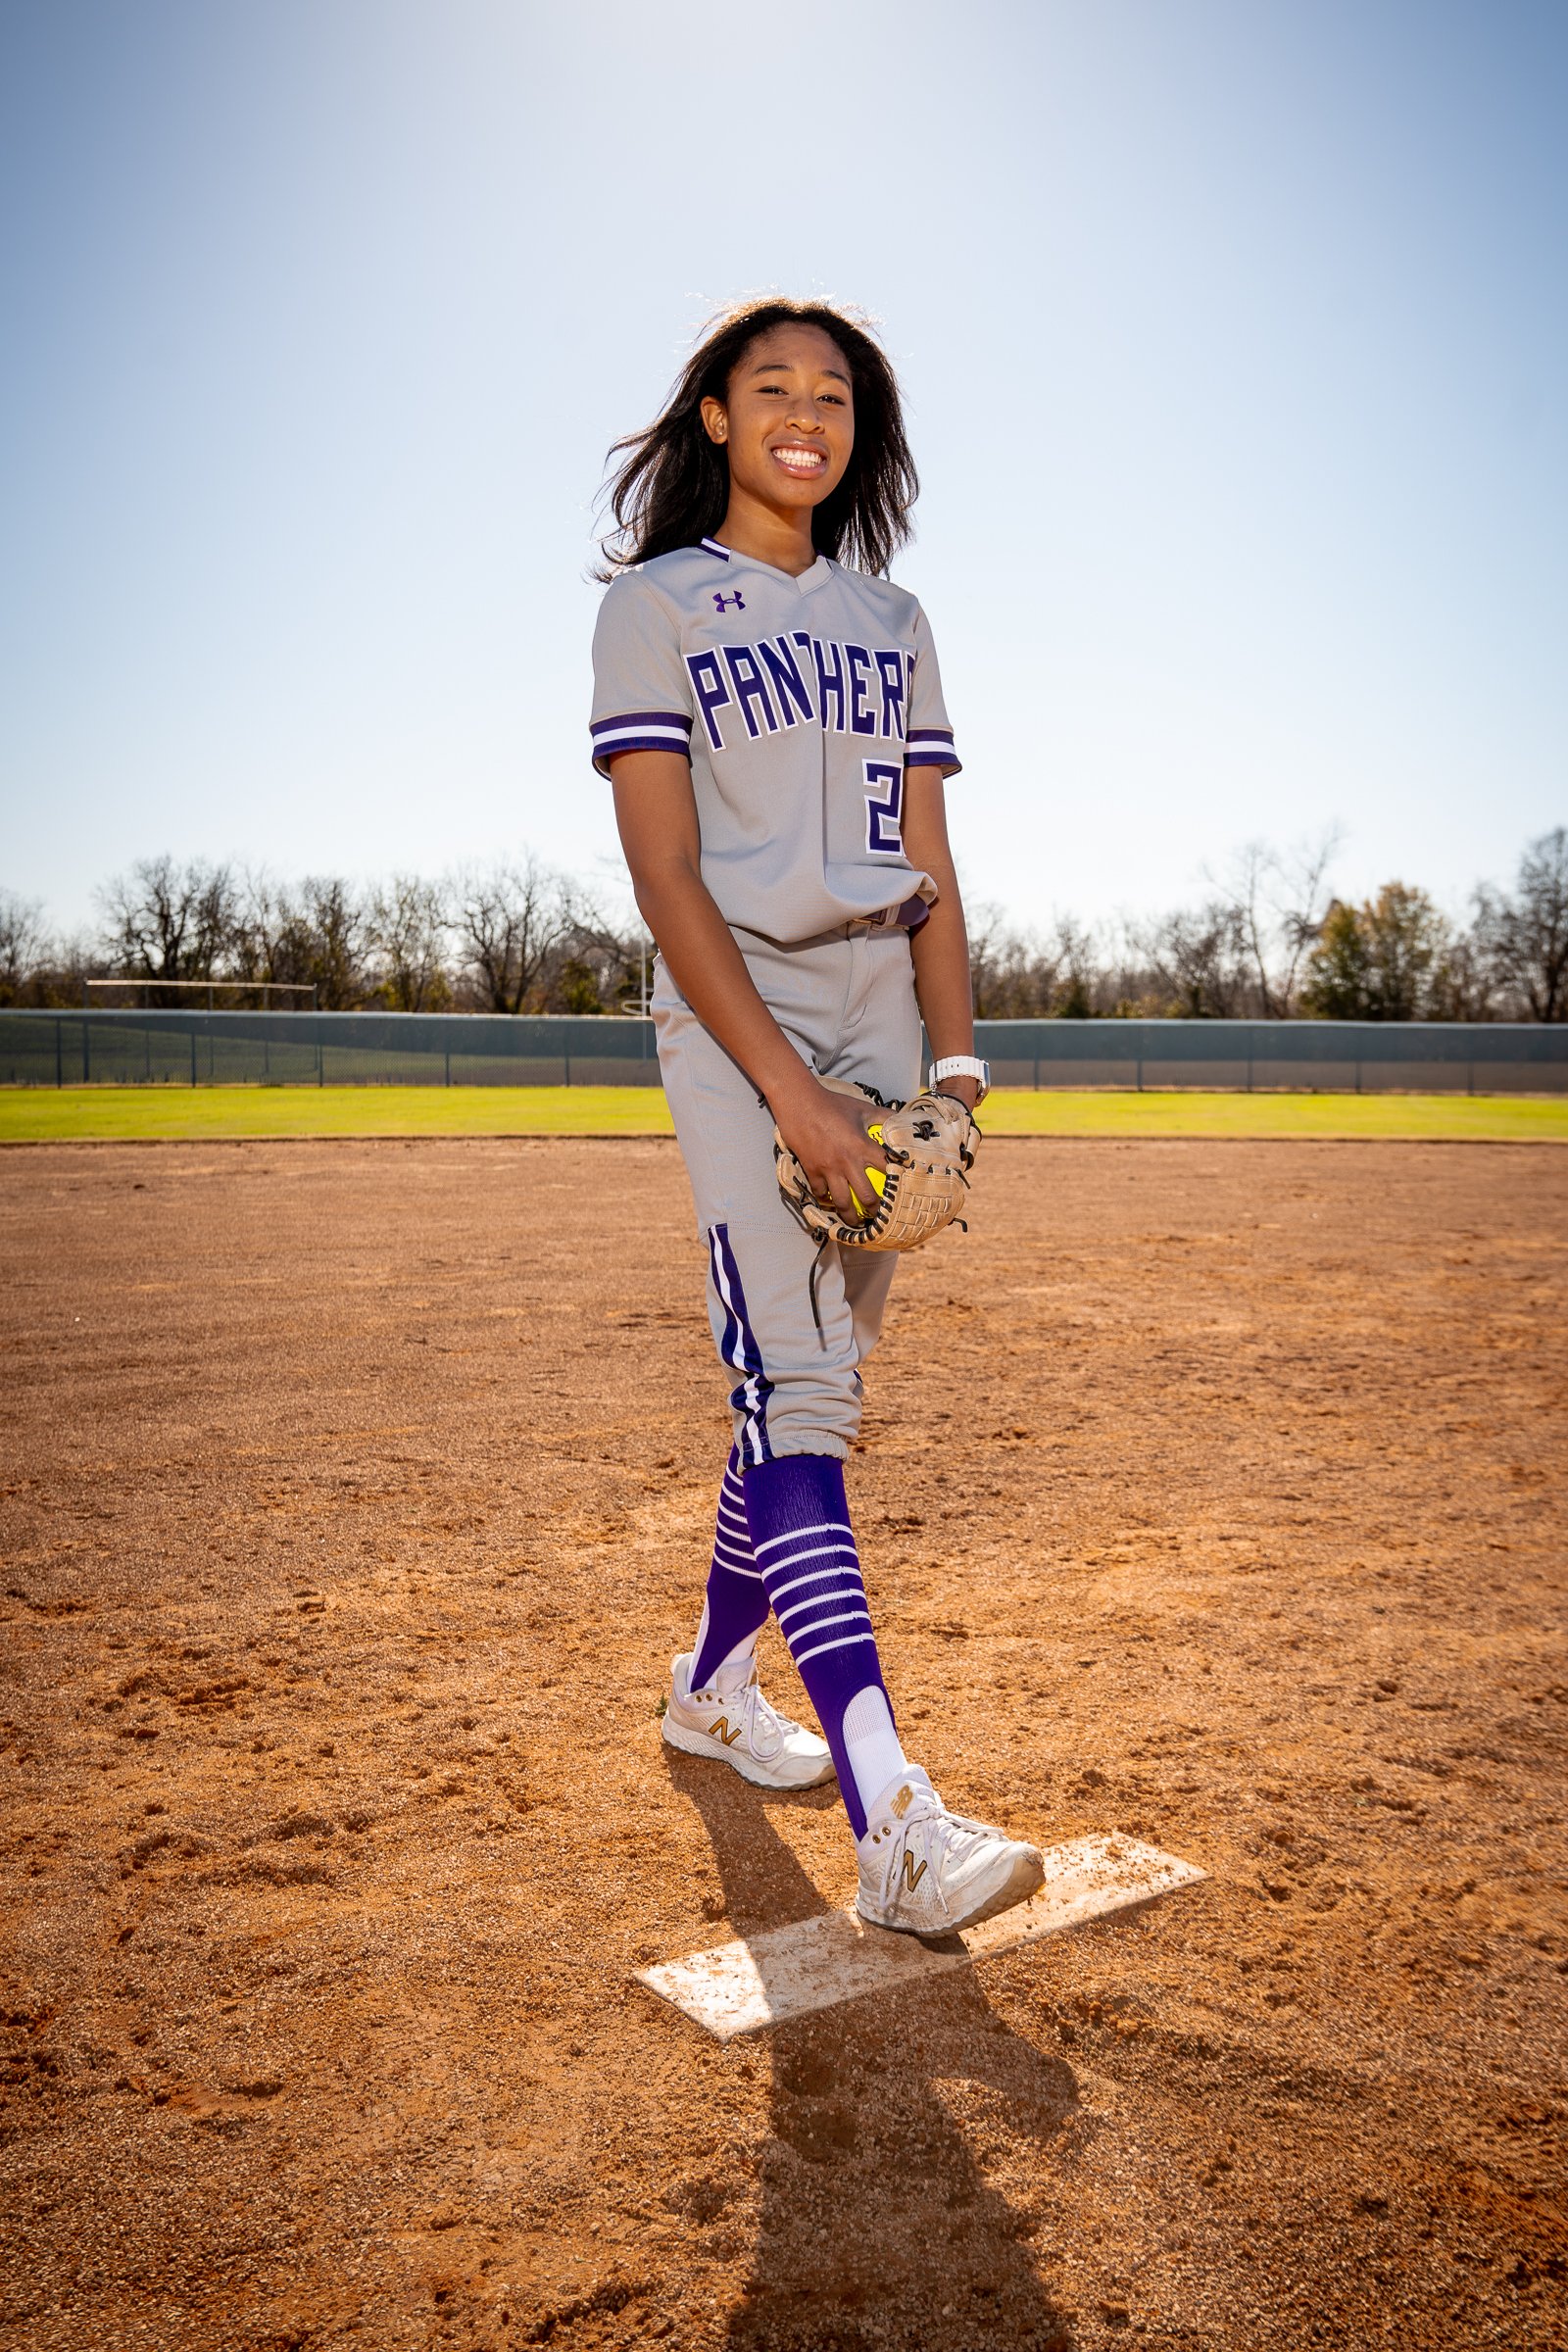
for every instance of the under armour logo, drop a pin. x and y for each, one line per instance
(737, 600)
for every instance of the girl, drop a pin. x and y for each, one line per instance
(773, 724)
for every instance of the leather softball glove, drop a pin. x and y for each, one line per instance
(929, 1144)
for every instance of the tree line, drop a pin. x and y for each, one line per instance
(512, 937)
(1267, 941)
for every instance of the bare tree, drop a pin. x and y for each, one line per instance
(22, 946)
(1463, 984)
(1197, 961)
(1279, 899)
(1526, 936)
(597, 964)
(164, 921)
(1301, 903)
(407, 932)
(304, 935)
(509, 919)
(323, 941)
(1017, 975)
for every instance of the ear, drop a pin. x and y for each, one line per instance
(715, 418)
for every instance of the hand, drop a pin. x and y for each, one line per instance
(828, 1135)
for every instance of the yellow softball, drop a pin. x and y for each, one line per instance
(878, 1180)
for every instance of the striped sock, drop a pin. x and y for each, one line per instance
(803, 1543)
(735, 1608)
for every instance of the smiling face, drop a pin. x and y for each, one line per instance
(787, 422)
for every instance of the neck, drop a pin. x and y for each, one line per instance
(772, 535)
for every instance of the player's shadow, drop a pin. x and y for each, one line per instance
(875, 2225)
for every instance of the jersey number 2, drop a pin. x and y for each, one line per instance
(884, 808)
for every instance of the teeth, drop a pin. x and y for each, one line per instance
(801, 460)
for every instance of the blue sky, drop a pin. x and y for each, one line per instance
(1232, 334)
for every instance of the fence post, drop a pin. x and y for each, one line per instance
(448, 1066)
(87, 1054)
(566, 1060)
(1140, 1073)
(60, 1054)
(193, 1057)
(1037, 1073)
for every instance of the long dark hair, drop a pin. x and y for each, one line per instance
(672, 486)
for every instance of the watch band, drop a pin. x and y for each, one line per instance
(961, 1065)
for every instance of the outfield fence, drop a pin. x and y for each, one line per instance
(102, 1047)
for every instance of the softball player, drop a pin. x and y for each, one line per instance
(773, 724)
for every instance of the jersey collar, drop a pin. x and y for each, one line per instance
(815, 576)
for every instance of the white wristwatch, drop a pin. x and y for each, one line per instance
(961, 1065)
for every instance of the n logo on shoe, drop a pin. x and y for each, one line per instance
(913, 1873)
(722, 1731)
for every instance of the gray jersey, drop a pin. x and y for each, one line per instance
(800, 702)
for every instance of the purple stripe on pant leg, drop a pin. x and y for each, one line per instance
(741, 1350)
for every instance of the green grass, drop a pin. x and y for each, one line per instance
(142, 1113)
(1441, 1118)
(139, 1114)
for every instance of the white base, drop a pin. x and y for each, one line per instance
(739, 1987)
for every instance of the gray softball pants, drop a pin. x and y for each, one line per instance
(846, 1002)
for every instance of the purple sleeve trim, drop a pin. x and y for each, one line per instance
(637, 743)
(640, 718)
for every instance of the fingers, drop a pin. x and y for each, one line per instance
(839, 1154)
(836, 1189)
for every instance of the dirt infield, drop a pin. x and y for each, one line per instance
(1208, 1491)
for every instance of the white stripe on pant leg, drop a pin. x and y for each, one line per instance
(828, 1527)
(819, 1551)
(815, 1576)
(844, 1641)
(734, 1554)
(844, 1617)
(845, 1591)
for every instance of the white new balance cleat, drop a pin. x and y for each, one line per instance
(731, 1721)
(928, 1871)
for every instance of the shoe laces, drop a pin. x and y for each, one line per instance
(958, 1833)
(766, 1730)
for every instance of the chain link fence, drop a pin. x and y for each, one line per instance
(102, 1047)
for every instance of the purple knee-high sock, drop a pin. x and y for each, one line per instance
(735, 1608)
(800, 1537)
